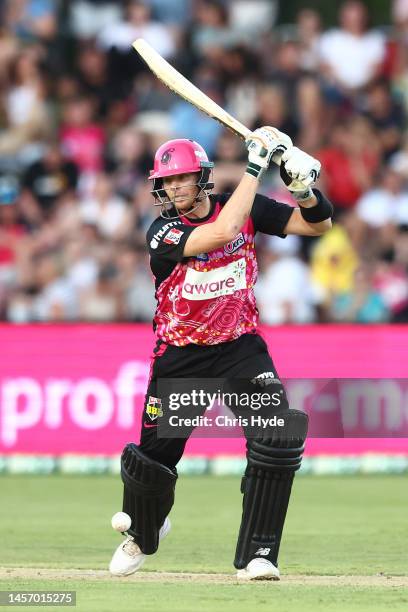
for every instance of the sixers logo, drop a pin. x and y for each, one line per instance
(166, 157)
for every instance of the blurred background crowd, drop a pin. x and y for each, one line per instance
(81, 117)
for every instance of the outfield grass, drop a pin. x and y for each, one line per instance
(259, 597)
(335, 525)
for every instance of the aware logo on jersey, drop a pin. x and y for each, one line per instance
(154, 408)
(221, 281)
(235, 244)
(173, 237)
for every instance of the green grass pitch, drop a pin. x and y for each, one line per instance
(351, 525)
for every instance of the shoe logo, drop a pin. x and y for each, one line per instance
(263, 552)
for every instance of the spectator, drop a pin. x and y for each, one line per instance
(128, 160)
(134, 281)
(315, 117)
(401, 246)
(351, 56)
(272, 109)
(333, 263)
(349, 162)
(378, 211)
(32, 19)
(203, 129)
(283, 279)
(362, 304)
(240, 73)
(391, 281)
(102, 302)
(55, 299)
(138, 24)
(229, 158)
(82, 137)
(386, 116)
(286, 72)
(72, 245)
(81, 265)
(48, 180)
(11, 233)
(152, 95)
(176, 13)
(211, 33)
(309, 30)
(400, 11)
(254, 18)
(9, 49)
(24, 106)
(89, 17)
(93, 78)
(105, 210)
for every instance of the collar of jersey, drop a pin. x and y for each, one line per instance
(213, 203)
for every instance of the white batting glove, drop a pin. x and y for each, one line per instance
(265, 144)
(299, 171)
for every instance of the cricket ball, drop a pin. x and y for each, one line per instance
(121, 521)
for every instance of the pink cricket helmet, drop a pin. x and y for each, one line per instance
(179, 156)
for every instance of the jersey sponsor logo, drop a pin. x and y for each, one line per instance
(154, 243)
(235, 244)
(173, 237)
(154, 408)
(221, 281)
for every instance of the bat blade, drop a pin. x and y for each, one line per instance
(184, 88)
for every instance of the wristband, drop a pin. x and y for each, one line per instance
(302, 196)
(320, 212)
(254, 170)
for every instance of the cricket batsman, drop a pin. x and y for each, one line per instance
(203, 258)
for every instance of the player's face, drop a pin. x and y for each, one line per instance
(181, 189)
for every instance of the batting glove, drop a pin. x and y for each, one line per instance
(264, 145)
(299, 171)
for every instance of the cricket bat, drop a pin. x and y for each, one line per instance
(184, 88)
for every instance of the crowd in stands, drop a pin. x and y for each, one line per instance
(81, 117)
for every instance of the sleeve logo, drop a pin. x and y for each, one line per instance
(154, 243)
(235, 244)
(173, 237)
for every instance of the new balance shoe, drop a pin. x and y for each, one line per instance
(259, 569)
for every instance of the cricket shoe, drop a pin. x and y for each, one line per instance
(128, 557)
(259, 569)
